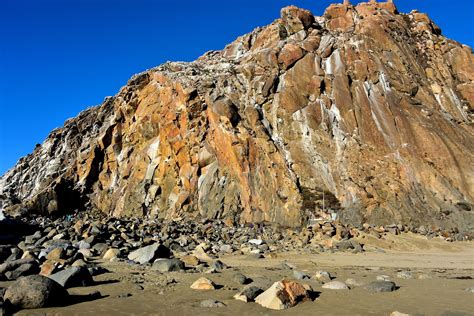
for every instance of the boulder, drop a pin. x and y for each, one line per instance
(335, 285)
(299, 275)
(35, 291)
(48, 267)
(111, 254)
(168, 265)
(23, 270)
(241, 279)
(354, 283)
(322, 276)
(296, 19)
(149, 253)
(190, 260)
(203, 284)
(73, 277)
(56, 254)
(248, 293)
(381, 286)
(284, 294)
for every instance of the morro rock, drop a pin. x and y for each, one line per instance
(368, 107)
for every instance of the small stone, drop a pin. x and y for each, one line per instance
(168, 265)
(322, 276)
(28, 255)
(23, 270)
(56, 254)
(354, 283)
(79, 263)
(256, 242)
(212, 303)
(111, 254)
(335, 285)
(405, 275)
(284, 294)
(248, 293)
(201, 254)
(86, 253)
(382, 278)
(299, 275)
(203, 284)
(226, 248)
(83, 245)
(72, 277)
(124, 295)
(470, 289)
(48, 267)
(424, 276)
(288, 266)
(381, 286)
(190, 261)
(35, 291)
(97, 270)
(396, 313)
(95, 295)
(218, 265)
(241, 279)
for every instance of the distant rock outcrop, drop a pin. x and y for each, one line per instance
(364, 111)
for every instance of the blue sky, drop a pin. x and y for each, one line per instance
(58, 57)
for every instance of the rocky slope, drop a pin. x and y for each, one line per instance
(364, 111)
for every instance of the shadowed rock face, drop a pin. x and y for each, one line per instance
(366, 106)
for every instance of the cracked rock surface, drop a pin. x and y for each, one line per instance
(366, 107)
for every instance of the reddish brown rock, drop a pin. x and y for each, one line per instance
(370, 108)
(289, 55)
(283, 295)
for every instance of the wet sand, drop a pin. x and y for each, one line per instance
(448, 266)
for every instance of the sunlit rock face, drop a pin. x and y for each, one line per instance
(366, 106)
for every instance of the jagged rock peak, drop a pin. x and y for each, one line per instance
(364, 112)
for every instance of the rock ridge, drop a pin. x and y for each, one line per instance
(363, 112)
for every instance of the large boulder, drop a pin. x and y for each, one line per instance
(149, 253)
(284, 294)
(73, 277)
(35, 291)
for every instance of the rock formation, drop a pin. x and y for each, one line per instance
(364, 111)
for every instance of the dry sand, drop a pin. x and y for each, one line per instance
(448, 264)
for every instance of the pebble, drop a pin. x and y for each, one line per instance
(248, 293)
(241, 279)
(380, 286)
(354, 283)
(212, 303)
(299, 275)
(335, 285)
(322, 276)
(382, 278)
(407, 275)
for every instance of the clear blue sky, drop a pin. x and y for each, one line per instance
(58, 57)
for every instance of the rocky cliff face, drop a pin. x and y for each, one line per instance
(367, 107)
